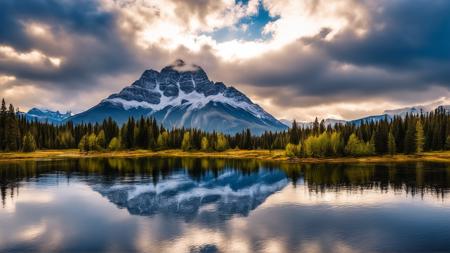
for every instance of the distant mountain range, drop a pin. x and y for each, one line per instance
(181, 95)
(46, 115)
(389, 114)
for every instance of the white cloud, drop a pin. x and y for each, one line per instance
(8, 53)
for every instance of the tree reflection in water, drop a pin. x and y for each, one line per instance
(209, 177)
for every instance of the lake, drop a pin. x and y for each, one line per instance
(217, 205)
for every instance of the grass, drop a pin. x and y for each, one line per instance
(274, 155)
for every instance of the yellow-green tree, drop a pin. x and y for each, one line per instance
(420, 137)
(186, 142)
(391, 144)
(92, 142)
(205, 144)
(293, 150)
(356, 147)
(114, 144)
(101, 141)
(163, 139)
(221, 143)
(29, 144)
(84, 144)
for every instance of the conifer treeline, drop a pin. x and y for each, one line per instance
(411, 134)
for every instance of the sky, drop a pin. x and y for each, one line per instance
(299, 59)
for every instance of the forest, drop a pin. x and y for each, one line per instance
(407, 135)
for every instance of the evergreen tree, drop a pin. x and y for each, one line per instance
(391, 143)
(410, 137)
(3, 117)
(294, 137)
(12, 130)
(381, 137)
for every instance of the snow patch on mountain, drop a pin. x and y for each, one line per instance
(194, 100)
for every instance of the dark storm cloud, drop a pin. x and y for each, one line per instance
(401, 36)
(84, 36)
(82, 17)
(406, 48)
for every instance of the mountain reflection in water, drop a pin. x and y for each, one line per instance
(219, 205)
(176, 177)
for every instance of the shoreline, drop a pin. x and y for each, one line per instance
(266, 155)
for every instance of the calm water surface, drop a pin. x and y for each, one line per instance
(213, 205)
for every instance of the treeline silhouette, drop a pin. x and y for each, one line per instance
(410, 134)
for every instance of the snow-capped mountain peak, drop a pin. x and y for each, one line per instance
(182, 95)
(178, 85)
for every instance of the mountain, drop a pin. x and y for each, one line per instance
(46, 115)
(181, 95)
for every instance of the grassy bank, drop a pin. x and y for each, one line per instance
(274, 155)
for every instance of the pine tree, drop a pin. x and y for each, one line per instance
(391, 143)
(12, 130)
(410, 137)
(3, 117)
(381, 137)
(293, 135)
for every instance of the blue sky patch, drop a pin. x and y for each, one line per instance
(255, 25)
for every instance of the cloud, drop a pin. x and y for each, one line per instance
(322, 58)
